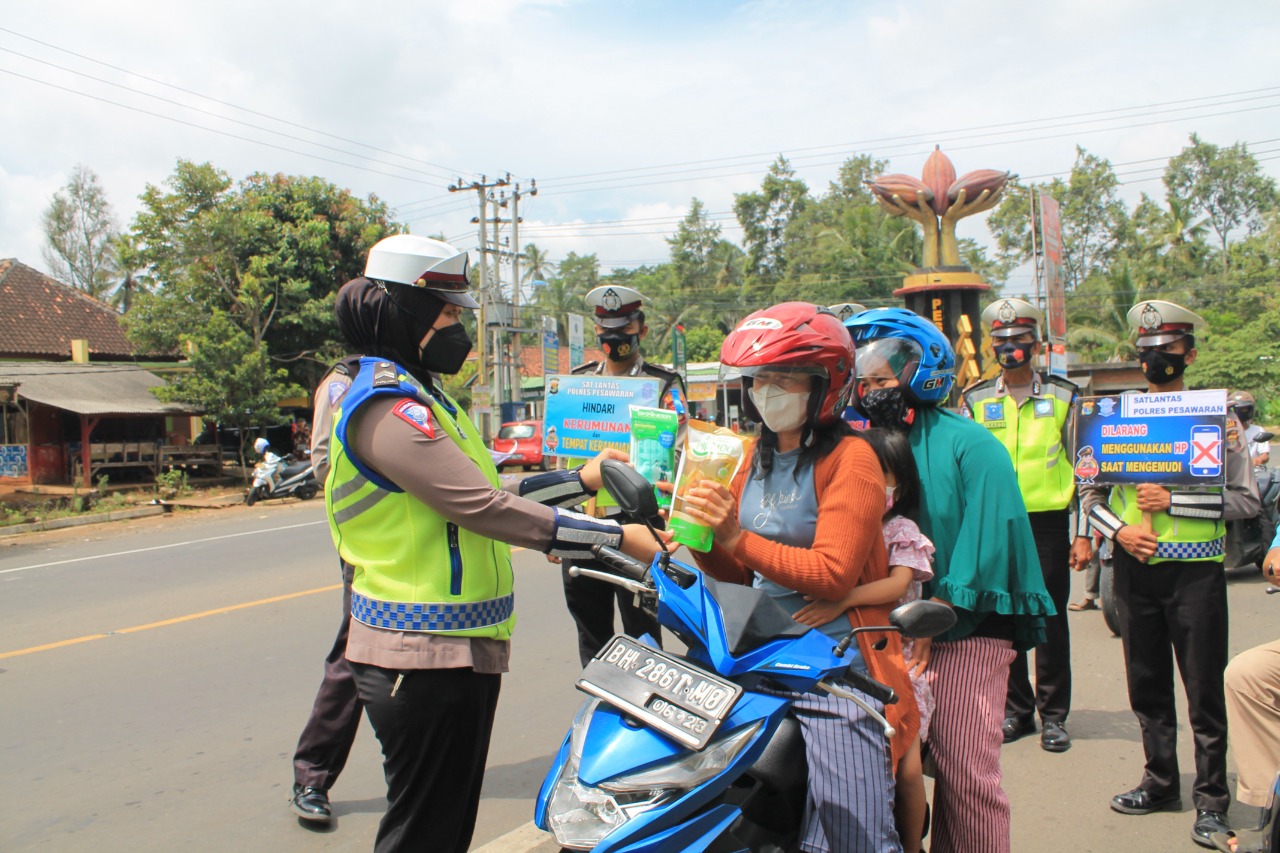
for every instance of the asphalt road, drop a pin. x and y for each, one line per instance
(154, 676)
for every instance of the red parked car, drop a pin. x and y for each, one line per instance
(523, 440)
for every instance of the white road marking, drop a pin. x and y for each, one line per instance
(162, 547)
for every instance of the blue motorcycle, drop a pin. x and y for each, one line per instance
(696, 752)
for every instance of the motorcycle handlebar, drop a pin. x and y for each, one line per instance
(628, 567)
(882, 693)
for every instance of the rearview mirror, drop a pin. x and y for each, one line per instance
(633, 492)
(923, 619)
(1263, 436)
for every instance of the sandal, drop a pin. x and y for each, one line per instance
(1247, 840)
(1086, 604)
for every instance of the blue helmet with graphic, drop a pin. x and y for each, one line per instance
(894, 343)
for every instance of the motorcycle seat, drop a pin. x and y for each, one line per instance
(751, 617)
(782, 766)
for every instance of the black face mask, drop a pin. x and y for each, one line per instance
(887, 408)
(1161, 368)
(1011, 356)
(618, 346)
(447, 350)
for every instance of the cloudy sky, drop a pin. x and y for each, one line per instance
(622, 110)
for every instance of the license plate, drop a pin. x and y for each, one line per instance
(672, 696)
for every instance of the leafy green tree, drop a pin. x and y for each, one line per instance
(764, 216)
(232, 380)
(1226, 185)
(702, 343)
(270, 253)
(1095, 221)
(80, 230)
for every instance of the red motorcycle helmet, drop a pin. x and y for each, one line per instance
(794, 337)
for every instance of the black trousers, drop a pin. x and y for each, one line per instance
(435, 738)
(590, 604)
(1052, 697)
(326, 739)
(1177, 610)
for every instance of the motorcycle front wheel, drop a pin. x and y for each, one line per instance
(252, 497)
(1107, 596)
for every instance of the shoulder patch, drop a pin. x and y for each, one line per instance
(336, 389)
(385, 374)
(417, 416)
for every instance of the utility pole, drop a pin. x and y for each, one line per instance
(482, 187)
(515, 247)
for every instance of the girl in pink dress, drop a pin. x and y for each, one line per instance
(909, 557)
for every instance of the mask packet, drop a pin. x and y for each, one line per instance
(710, 453)
(653, 446)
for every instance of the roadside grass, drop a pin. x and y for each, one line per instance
(25, 508)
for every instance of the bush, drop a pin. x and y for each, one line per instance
(172, 483)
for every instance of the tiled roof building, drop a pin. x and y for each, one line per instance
(40, 317)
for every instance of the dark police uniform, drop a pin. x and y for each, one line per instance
(1036, 431)
(1175, 603)
(590, 601)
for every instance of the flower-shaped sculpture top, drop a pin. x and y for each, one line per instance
(937, 200)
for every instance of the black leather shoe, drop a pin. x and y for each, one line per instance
(311, 804)
(1015, 728)
(1054, 738)
(1139, 801)
(1207, 823)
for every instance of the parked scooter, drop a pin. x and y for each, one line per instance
(1249, 538)
(692, 752)
(292, 478)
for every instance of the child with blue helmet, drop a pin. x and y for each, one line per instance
(986, 567)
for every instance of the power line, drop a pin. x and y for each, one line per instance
(181, 105)
(216, 130)
(703, 174)
(917, 136)
(446, 169)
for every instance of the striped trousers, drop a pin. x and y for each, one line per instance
(850, 803)
(969, 679)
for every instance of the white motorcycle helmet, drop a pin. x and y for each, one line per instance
(261, 445)
(422, 262)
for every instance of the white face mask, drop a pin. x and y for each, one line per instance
(782, 411)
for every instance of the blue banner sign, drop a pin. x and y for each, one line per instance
(1174, 439)
(585, 414)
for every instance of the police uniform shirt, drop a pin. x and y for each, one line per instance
(421, 459)
(1036, 391)
(642, 368)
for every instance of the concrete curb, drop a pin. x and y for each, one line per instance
(522, 839)
(79, 520)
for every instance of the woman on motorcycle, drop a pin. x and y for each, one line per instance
(804, 519)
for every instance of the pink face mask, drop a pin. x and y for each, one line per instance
(888, 498)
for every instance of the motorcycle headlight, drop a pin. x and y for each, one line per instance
(581, 815)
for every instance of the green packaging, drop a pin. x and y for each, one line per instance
(653, 446)
(710, 453)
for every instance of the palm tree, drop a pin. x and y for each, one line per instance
(1110, 337)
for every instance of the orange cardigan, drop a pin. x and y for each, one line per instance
(848, 550)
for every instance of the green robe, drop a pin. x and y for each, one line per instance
(973, 512)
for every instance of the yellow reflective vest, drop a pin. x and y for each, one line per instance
(1032, 433)
(414, 569)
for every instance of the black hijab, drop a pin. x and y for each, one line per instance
(388, 321)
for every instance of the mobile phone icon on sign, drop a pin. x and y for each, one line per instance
(1206, 451)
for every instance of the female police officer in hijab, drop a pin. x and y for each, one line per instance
(415, 505)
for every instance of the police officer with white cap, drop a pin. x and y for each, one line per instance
(620, 328)
(1031, 416)
(845, 310)
(1171, 591)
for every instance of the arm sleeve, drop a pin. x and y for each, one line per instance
(1240, 497)
(850, 505)
(1095, 512)
(436, 471)
(322, 421)
(554, 488)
